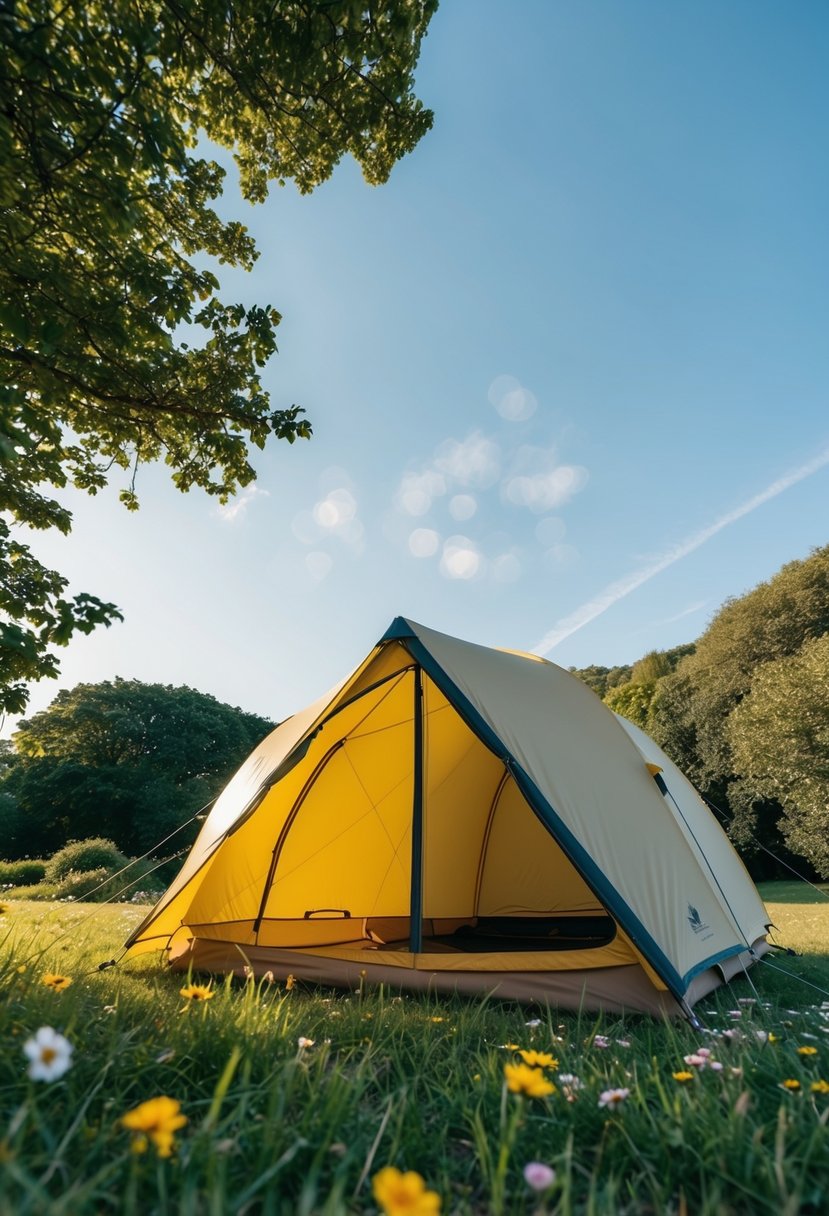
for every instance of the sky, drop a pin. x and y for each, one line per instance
(568, 370)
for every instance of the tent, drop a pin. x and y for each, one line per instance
(452, 817)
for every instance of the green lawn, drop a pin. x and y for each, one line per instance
(275, 1127)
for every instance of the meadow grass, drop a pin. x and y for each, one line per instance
(276, 1125)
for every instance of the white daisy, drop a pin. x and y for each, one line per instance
(49, 1054)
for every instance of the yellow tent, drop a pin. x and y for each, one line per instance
(457, 818)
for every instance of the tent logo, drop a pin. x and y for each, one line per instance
(695, 920)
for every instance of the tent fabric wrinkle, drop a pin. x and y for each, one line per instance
(465, 819)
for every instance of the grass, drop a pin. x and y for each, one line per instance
(281, 1129)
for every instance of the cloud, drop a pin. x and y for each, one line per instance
(417, 491)
(424, 542)
(461, 558)
(624, 586)
(512, 401)
(463, 506)
(537, 481)
(230, 512)
(474, 461)
(334, 515)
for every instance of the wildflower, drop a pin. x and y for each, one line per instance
(696, 1060)
(791, 1084)
(157, 1120)
(437, 1019)
(735, 1013)
(715, 1065)
(268, 977)
(510, 1047)
(705, 1052)
(289, 983)
(761, 1036)
(613, 1097)
(538, 1176)
(539, 1059)
(197, 992)
(682, 1077)
(623, 1042)
(819, 1087)
(302, 1042)
(49, 1054)
(400, 1194)
(532, 1025)
(521, 1079)
(772, 1037)
(746, 1000)
(601, 1040)
(807, 1051)
(56, 982)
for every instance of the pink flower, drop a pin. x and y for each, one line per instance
(697, 1060)
(601, 1040)
(613, 1097)
(538, 1176)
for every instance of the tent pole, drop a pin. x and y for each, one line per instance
(416, 910)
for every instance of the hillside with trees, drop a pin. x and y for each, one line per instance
(744, 711)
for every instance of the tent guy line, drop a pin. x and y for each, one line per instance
(622, 587)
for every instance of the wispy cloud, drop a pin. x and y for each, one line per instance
(237, 508)
(616, 591)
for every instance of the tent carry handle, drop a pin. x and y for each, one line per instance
(343, 912)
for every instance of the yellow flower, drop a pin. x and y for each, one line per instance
(197, 992)
(772, 1037)
(156, 1120)
(400, 1194)
(56, 982)
(791, 1084)
(521, 1079)
(807, 1051)
(820, 1087)
(682, 1077)
(539, 1059)
(436, 1019)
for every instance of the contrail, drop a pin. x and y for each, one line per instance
(623, 586)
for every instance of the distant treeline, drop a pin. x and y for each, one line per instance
(122, 759)
(744, 712)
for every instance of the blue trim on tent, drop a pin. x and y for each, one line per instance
(713, 960)
(397, 631)
(575, 851)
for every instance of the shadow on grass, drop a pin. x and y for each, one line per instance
(794, 892)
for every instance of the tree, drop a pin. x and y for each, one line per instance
(123, 759)
(770, 622)
(108, 244)
(779, 736)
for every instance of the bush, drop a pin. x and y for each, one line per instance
(80, 884)
(21, 873)
(83, 856)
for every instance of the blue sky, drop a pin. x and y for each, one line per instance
(567, 370)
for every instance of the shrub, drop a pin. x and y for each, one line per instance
(21, 873)
(80, 884)
(41, 890)
(83, 856)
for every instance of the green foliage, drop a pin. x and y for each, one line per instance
(602, 679)
(633, 701)
(138, 758)
(770, 622)
(411, 1081)
(21, 873)
(83, 855)
(779, 736)
(109, 244)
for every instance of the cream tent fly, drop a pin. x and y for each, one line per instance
(453, 818)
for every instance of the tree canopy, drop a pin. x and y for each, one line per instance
(124, 759)
(109, 245)
(743, 711)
